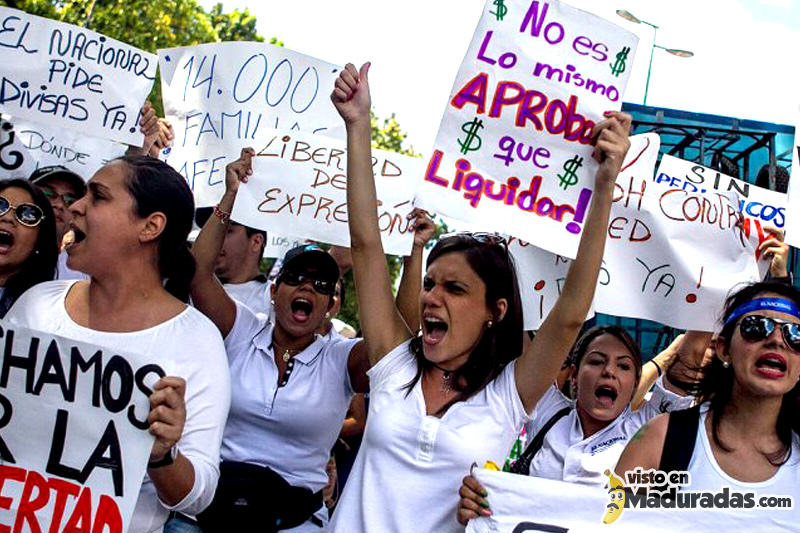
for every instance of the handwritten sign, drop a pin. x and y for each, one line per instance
(74, 443)
(278, 245)
(222, 97)
(793, 199)
(26, 146)
(513, 149)
(658, 265)
(72, 77)
(299, 187)
(523, 504)
(756, 203)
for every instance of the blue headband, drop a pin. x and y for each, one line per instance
(773, 304)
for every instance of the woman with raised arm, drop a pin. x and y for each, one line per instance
(457, 394)
(291, 386)
(130, 232)
(744, 434)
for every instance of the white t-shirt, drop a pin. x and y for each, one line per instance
(290, 429)
(64, 272)
(566, 455)
(410, 465)
(188, 346)
(254, 294)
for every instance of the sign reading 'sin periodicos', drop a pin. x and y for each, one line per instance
(513, 152)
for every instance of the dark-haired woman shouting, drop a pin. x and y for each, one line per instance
(130, 238)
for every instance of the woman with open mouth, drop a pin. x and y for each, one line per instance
(458, 393)
(578, 440)
(744, 432)
(28, 249)
(130, 232)
(291, 386)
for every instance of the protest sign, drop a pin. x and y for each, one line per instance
(793, 199)
(530, 504)
(672, 252)
(42, 145)
(513, 150)
(71, 77)
(221, 97)
(277, 245)
(298, 187)
(74, 443)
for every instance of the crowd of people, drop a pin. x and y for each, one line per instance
(263, 383)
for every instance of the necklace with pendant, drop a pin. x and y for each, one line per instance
(287, 353)
(447, 381)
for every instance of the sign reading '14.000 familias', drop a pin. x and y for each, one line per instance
(513, 151)
(72, 77)
(223, 97)
(74, 440)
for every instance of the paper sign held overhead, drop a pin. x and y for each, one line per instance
(71, 77)
(672, 252)
(513, 150)
(299, 187)
(222, 97)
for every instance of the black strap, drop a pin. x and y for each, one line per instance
(680, 439)
(523, 464)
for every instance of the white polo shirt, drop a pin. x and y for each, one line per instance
(292, 428)
(566, 455)
(410, 465)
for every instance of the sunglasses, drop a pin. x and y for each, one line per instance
(480, 237)
(26, 214)
(755, 328)
(67, 198)
(294, 279)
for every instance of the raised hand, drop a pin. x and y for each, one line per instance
(423, 226)
(610, 138)
(776, 251)
(240, 170)
(351, 95)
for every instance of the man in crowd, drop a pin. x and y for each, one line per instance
(62, 187)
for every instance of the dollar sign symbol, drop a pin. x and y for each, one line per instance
(471, 129)
(618, 66)
(502, 10)
(570, 178)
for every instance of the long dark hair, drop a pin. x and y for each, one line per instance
(40, 265)
(157, 187)
(499, 344)
(716, 386)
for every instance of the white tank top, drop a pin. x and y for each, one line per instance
(706, 474)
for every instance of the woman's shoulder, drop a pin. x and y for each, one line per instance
(40, 301)
(196, 328)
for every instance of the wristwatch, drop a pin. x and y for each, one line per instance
(167, 460)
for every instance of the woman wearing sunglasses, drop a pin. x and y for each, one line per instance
(28, 249)
(459, 392)
(745, 433)
(130, 237)
(291, 387)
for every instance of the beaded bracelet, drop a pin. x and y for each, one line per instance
(221, 215)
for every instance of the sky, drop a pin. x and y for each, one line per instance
(744, 62)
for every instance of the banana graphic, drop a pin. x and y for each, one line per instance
(616, 491)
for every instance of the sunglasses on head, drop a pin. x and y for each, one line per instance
(322, 286)
(67, 198)
(480, 236)
(26, 214)
(755, 328)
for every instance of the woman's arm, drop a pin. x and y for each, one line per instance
(645, 448)
(208, 294)
(653, 369)
(411, 281)
(540, 363)
(381, 323)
